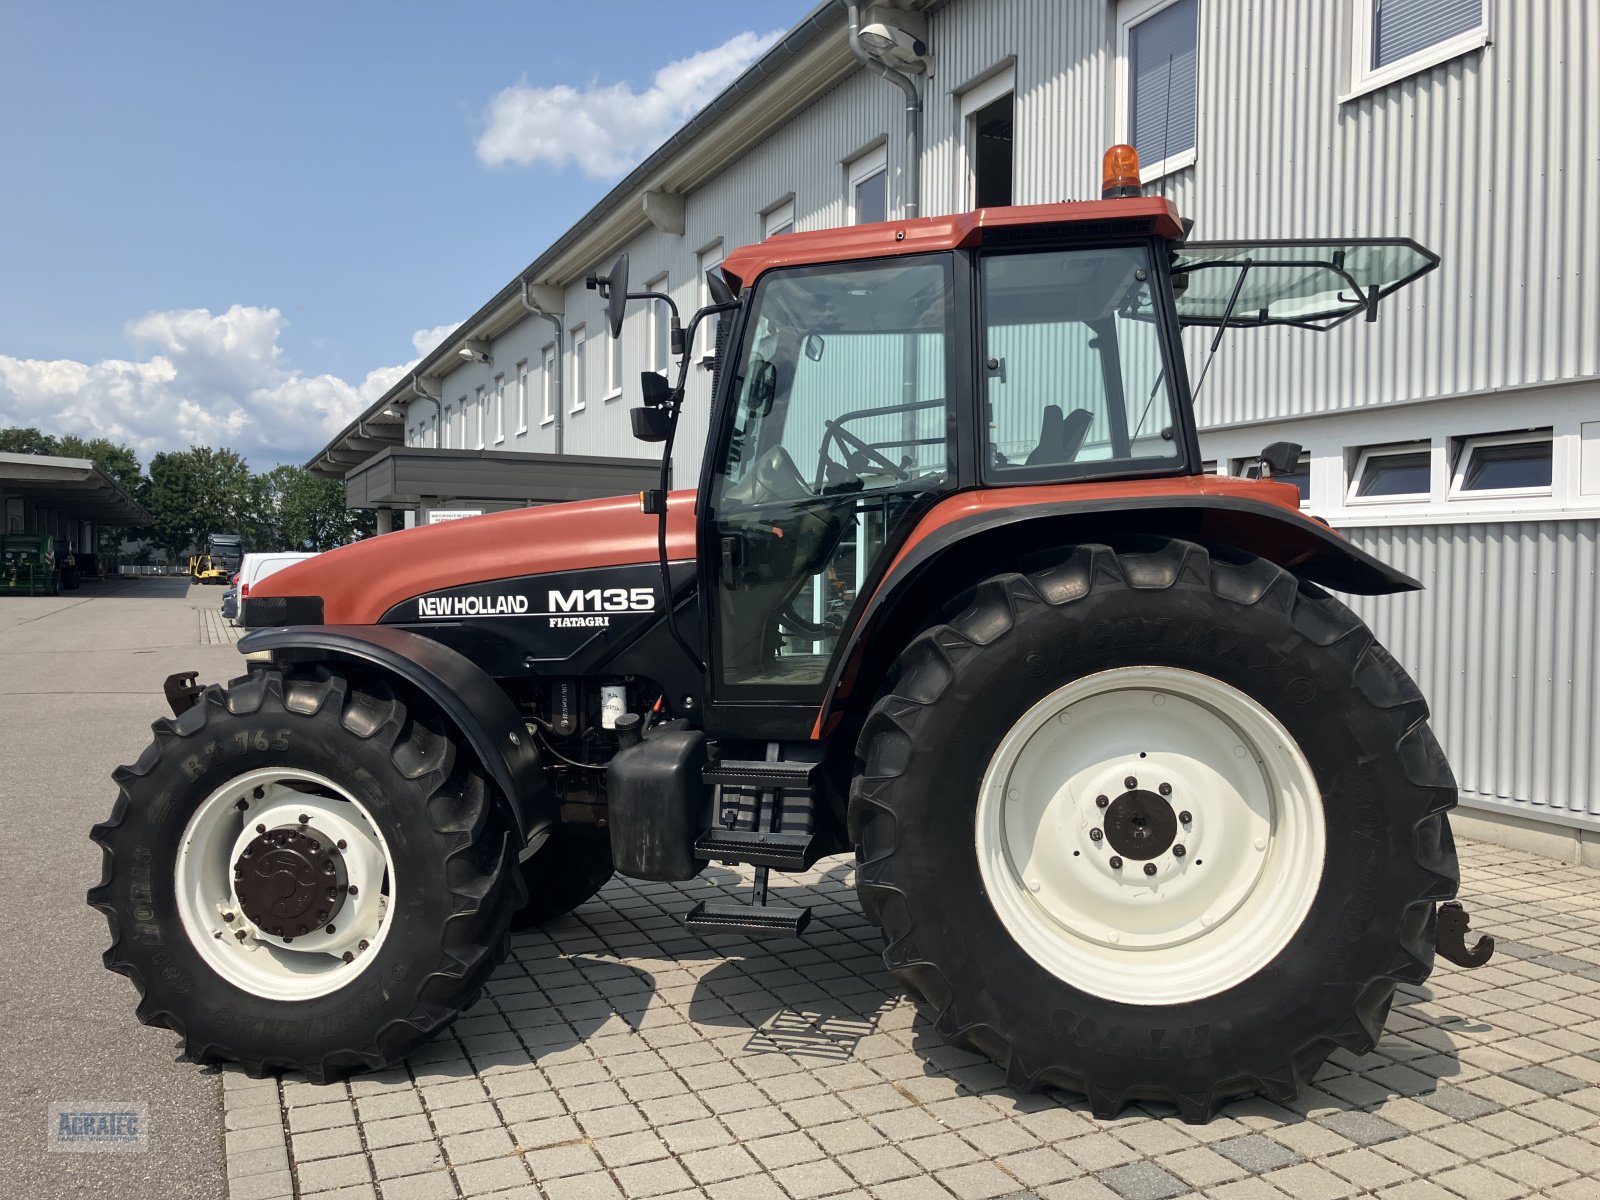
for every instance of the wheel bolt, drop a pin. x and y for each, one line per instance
(305, 818)
(261, 828)
(348, 957)
(1149, 868)
(1116, 862)
(1102, 801)
(351, 889)
(1178, 851)
(322, 917)
(1095, 835)
(1165, 789)
(228, 917)
(259, 792)
(241, 935)
(329, 929)
(340, 843)
(241, 804)
(1185, 817)
(362, 944)
(1130, 783)
(333, 893)
(287, 940)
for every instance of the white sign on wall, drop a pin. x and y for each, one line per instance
(452, 514)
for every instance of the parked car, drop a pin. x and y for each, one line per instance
(230, 600)
(257, 567)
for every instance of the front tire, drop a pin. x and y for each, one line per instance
(1277, 865)
(302, 872)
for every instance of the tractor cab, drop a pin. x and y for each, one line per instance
(868, 374)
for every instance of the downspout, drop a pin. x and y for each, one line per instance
(555, 364)
(911, 200)
(438, 413)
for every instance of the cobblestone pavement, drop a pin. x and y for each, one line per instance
(618, 1055)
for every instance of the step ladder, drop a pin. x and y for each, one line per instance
(765, 818)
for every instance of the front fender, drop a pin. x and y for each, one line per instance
(941, 558)
(467, 696)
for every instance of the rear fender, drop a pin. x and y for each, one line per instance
(469, 698)
(937, 566)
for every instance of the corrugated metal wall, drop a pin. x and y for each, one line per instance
(1491, 159)
(1505, 643)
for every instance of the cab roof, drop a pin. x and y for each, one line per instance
(1139, 216)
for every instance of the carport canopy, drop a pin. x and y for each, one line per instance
(72, 487)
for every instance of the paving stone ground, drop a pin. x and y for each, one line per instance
(616, 1055)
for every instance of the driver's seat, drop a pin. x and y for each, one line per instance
(1060, 437)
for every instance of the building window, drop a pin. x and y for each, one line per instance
(547, 384)
(987, 110)
(710, 260)
(1157, 84)
(1392, 39)
(522, 396)
(580, 352)
(778, 219)
(1300, 477)
(499, 409)
(1388, 473)
(478, 413)
(1504, 464)
(613, 364)
(867, 187)
(659, 333)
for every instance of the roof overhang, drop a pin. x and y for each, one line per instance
(406, 477)
(74, 486)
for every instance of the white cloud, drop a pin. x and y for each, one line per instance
(606, 129)
(212, 379)
(425, 340)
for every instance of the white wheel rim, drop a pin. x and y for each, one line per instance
(292, 966)
(1228, 892)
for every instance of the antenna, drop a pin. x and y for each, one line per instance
(1166, 128)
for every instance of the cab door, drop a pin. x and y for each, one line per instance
(834, 428)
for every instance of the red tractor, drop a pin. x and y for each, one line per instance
(1142, 810)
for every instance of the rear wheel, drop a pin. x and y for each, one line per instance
(571, 867)
(302, 872)
(1154, 825)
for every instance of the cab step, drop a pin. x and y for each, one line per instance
(785, 851)
(765, 776)
(747, 920)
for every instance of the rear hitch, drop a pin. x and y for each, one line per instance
(1450, 938)
(183, 691)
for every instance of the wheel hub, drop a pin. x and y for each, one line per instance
(290, 880)
(1140, 825)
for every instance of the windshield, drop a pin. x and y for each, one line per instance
(1076, 378)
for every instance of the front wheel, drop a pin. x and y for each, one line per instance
(302, 872)
(1156, 824)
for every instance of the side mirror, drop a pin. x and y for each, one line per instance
(813, 346)
(1280, 458)
(717, 286)
(654, 388)
(617, 294)
(651, 424)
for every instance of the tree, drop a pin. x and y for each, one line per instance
(26, 440)
(196, 492)
(311, 511)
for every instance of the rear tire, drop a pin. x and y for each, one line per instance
(1113, 983)
(417, 825)
(570, 868)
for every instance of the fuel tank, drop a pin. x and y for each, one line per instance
(361, 582)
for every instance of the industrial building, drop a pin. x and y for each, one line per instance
(1458, 437)
(67, 499)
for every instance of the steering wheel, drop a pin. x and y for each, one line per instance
(772, 477)
(861, 449)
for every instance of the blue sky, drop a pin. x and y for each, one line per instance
(221, 218)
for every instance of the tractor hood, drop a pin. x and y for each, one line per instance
(358, 583)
